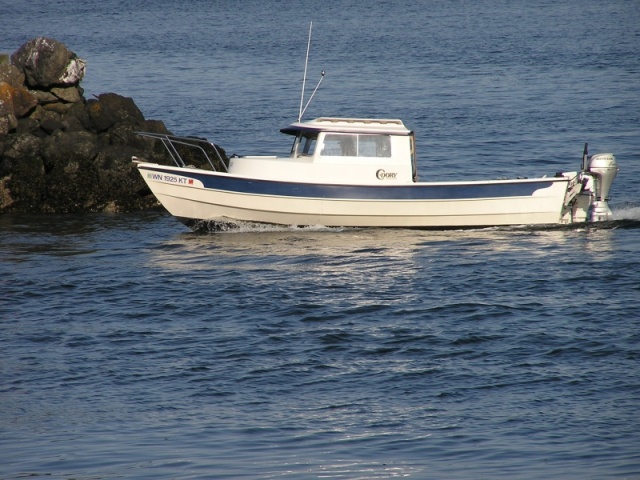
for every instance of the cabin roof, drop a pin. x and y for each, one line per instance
(349, 125)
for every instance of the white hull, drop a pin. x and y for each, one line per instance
(183, 193)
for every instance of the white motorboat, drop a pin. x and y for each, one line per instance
(353, 172)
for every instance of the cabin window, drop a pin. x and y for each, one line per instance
(304, 144)
(355, 145)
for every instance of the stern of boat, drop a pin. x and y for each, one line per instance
(587, 197)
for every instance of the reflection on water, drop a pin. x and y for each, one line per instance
(392, 244)
(171, 246)
(356, 268)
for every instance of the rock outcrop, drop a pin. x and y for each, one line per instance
(60, 152)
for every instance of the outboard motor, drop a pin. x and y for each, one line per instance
(603, 168)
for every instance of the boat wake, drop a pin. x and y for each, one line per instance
(239, 226)
(630, 212)
(627, 217)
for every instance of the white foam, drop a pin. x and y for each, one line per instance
(627, 213)
(237, 226)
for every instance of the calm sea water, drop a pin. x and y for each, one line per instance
(133, 348)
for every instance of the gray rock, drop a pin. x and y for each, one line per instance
(8, 122)
(110, 108)
(68, 94)
(44, 97)
(11, 74)
(48, 63)
(20, 150)
(16, 100)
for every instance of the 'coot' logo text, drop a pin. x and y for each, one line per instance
(382, 175)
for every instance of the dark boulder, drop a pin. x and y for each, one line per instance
(22, 153)
(109, 109)
(15, 102)
(76, 118)
(22, 173)
(11, 75)
(62, 153)
(47, 63)
(67, 94)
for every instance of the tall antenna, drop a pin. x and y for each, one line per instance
(304, 79)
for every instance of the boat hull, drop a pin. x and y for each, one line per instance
(197, 195)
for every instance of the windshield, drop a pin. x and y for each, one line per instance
(304, 144)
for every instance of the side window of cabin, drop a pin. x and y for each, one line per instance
(374, 146)
(345, 145)
(308, 145)
(304, 144)
(338, 145)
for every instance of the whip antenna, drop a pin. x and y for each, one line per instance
(304, 79)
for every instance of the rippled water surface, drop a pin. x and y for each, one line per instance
(133, 348)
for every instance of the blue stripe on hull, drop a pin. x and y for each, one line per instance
(361, 192)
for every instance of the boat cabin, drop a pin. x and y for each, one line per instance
(340, 150)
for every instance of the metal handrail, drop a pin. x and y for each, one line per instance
(169, 142)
